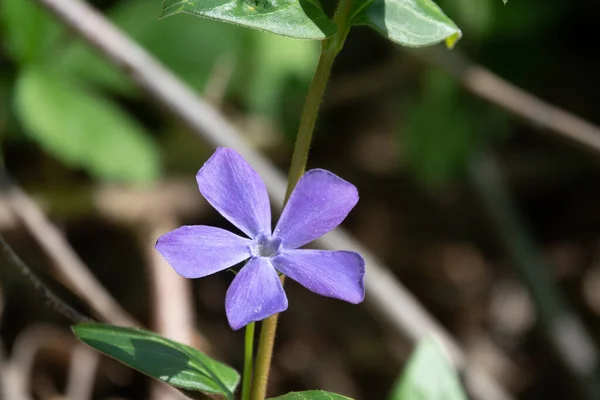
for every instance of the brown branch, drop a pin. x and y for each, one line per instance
(384, 292)
(26, 348)
(47, 295)
(485, 84)
(563, 328)
(478, 80)
(82, 373)
(73, 271)
(170, 295)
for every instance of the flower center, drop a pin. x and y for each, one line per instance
(265, 246)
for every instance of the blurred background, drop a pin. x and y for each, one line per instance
(490, 220)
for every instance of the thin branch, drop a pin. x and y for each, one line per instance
(25, 351)
(170, 293)
(45, 293)
(478, 80)
(73, 271)
(3, 377)
(82, 373)
(171, 297)
(493, 88)
(564, 330)
(10, 379)
(384, 292)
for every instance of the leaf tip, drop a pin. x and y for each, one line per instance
(452, 39)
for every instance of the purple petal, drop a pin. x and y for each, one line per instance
(255, 294)
(236, 191)
(318, 204)
(197, 251)
(337, 274)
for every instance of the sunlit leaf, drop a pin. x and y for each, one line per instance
(171, 362)
(428, 376)
(303, 19)
(311, 395)
(412, 23)
(84, 129)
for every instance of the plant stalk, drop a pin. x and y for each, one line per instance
(330, 48)
(248, 360)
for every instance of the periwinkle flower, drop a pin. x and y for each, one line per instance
(319, 203)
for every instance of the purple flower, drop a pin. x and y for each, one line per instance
(318, 204)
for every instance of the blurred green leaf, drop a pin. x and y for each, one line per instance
(475, 17)
(79, 62)
(438, 135)
(311, 395)
(171, 362)
(442, 130)
(302, 19)
(428, 376)
(530, 17)
(412, 23)
(28, 31)
(274, 60)
(191, 48)
(84, 129)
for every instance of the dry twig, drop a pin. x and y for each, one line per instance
(73, 271)
(82, 373)
(564, 329)
(43, 291)
(485, 84)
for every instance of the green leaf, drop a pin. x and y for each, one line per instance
(476, 17)
(27, 31)
(311, 395)
(190, 47)
(438, 134)
(84, 129)
(443, 128)
(302, 19)
(412, 23)
(428, 376)
(171, 362)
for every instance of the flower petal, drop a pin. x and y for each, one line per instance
(255, 294)
(197, 251)
(337, 274)
(236, 191)
(318, 204)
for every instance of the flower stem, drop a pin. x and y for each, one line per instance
(329, 50)
(248, 355)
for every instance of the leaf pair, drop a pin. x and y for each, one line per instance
(406, 22)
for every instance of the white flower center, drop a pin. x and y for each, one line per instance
(265, 246)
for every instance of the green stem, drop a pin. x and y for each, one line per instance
(248, 355)
(329, 51)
